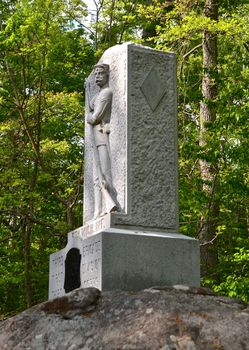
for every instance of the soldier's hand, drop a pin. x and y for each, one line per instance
(89, 119)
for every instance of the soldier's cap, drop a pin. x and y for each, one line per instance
(103, 66)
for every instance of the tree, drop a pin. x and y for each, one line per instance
(213, 103)
(114, 21)
(44, 61)
(209, 168)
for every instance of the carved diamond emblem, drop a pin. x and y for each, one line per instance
(153, 89)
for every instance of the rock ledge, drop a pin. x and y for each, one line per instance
(166, 318)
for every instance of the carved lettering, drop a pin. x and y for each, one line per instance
(91, 228)
(92, 282)
(92, 248)
(91, 266)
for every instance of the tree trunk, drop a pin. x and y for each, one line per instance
(27, 281)
(27, 234)
(208, 220)
(69, 212)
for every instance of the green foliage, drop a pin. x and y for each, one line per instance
(235, 275)
(179, 27)
(115, 22)
(43, 63)
(61, 148)
(44, 60)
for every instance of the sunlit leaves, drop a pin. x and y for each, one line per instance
(179, 27)
(43, 63)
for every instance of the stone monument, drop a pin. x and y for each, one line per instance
(130, 235)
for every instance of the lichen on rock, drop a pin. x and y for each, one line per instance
(165, 318)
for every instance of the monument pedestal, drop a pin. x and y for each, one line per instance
(124, 259)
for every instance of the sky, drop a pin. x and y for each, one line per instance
(91, 9)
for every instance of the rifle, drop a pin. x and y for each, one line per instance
(109, 202)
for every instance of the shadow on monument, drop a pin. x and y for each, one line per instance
(72, 270)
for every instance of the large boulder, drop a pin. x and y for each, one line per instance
(170, 318)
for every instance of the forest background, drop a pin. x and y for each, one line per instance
(48, 48)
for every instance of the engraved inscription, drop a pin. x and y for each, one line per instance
(91, 264)
(92, 282)
(90, 229)
(56, 276)
(58, 262)
(92, 248)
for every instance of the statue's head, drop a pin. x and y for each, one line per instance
(101, 72)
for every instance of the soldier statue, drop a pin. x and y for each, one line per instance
(99, 115)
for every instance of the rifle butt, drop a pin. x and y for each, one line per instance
(109, 202)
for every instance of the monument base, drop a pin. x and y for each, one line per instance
(126, 260)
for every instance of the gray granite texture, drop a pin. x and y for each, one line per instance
(143, 139)
(128, 260)
(177, 318)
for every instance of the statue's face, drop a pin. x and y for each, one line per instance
(101, 77)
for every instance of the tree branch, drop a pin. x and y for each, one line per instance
(192, 50)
